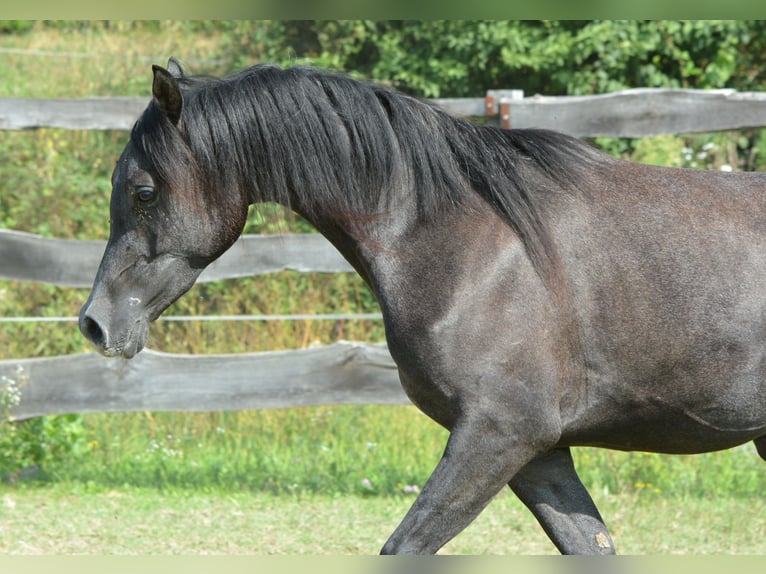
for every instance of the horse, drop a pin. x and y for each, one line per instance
(537, 294)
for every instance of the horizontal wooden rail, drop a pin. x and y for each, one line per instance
(73, 263)
(642, 112)
(112, 113)
(636, 112)
(342, 373)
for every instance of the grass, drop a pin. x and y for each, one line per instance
(103, 59)
(336, 450)
(364, 450)
(68, 520)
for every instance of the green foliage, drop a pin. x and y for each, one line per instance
(341, 450)
(15, 26)
(463, 58)
(56, 182)
(447, 58)
(31, 448)
(39, 444)
(737, 472)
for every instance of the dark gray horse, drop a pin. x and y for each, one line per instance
(537, 294)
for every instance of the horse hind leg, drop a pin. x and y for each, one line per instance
(760, 446)
(550, 488)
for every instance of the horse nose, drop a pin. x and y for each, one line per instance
(93, 330)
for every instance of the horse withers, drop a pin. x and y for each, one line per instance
(537, 294)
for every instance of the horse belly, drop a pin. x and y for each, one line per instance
(676, 416)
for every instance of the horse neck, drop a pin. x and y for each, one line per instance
(395, 245)
(365, 238)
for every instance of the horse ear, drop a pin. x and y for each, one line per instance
(167, 93)
(175, 69)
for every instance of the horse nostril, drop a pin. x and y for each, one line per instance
(93, 332)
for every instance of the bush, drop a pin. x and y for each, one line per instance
(447, 58)
(30, 448)
(15, 26)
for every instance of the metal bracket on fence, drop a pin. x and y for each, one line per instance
(498, 103)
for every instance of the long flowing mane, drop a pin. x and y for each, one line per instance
(326, 142)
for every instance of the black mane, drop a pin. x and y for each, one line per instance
(320, 141)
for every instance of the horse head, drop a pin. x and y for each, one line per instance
(165, 226)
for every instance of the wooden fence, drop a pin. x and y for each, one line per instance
(629, 113)
(337, 374)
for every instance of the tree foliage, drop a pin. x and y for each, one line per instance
(464, 58)
(447, 58)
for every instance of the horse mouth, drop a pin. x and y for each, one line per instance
(127, 349)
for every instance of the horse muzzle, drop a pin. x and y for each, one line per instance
(113, 331)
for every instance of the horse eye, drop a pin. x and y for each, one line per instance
(146, 194)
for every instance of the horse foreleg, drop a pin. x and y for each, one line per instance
(478, 461)
(550, 488)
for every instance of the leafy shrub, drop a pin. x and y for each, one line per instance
(15, 26)
(448, 58)
(31, 448)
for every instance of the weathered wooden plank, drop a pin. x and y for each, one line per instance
(261, 254)
(642, 112)
(73, 263)
(343, 373)
(66, 262)
(462, 107)
(114, 113)
(120, 113)
(629, 113)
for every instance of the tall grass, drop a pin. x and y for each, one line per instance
(56, 183)
(362, 450)
(319, 450)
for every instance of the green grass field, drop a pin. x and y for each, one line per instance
(67, 520)
(317, 480)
